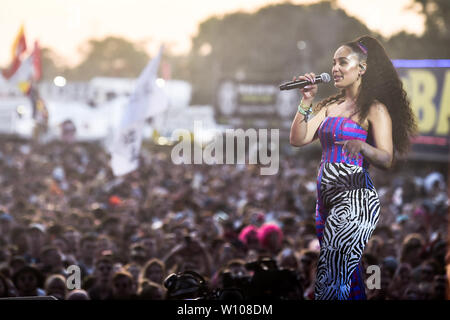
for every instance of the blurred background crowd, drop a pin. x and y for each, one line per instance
(242, 234)
(216, 232)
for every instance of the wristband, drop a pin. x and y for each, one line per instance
(305, 111)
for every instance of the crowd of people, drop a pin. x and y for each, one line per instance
(219, 232)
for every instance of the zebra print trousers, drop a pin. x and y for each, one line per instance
(346, 215)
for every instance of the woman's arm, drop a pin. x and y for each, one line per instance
(302, 132)
(382, 155)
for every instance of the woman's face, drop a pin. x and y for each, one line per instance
(345, 67)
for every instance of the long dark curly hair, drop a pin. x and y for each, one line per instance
(381, 82)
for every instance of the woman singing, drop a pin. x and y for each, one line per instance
(364, 124)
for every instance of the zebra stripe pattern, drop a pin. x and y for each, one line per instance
(347, 213)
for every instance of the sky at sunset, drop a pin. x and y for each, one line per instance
(64, 25)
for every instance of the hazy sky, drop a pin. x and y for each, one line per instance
(64, 24)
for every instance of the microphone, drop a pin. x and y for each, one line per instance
(324, 77)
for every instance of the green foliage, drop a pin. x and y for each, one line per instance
(437, 34)
(110, 57)
(437, 13)
(179, 65)
(264, 46)
(52, 65)
(434, 43)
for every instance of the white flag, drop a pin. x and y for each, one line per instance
(21, 77)
(128, 136)
(24, 72)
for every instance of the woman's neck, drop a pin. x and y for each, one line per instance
(351, 92)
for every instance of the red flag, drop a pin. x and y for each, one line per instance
(19, 46)
(28, 72)
(7, 73)
(166, 70)
(37, 67)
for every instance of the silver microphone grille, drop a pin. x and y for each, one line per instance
(325, 77)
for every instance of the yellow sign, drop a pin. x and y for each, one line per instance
(429, 93)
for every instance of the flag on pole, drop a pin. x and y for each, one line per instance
(20, 44)
(7, 73)
(166, 70)
(37, 66)
(18, 48)
(128, 136)
(28, 71)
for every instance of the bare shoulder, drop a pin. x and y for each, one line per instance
(377, 111)
(326, 108)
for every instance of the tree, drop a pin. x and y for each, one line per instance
(433, 44)
(404, 45)
(437, 32)
(52, 64)
(110, 57)
(179, 64)
(271, 45)
(437, 14)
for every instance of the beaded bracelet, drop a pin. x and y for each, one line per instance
(303, 111)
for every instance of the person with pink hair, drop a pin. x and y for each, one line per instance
(249, 237)
(270, 237)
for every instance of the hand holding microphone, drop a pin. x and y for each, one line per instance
(308, 90)
(307, 84)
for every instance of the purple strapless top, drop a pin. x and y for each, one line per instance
(334, 129)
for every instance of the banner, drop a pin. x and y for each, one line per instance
(427, 83)
(147, 100)
(254, 104)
